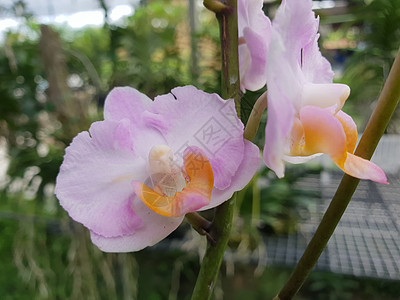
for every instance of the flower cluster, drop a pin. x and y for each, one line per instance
(133, 176)
(304, 106)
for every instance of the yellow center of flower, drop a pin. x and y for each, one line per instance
(166, 174)
(177, 191)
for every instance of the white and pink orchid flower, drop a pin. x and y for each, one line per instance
(254, 29)
(304, 106)
(131, 179)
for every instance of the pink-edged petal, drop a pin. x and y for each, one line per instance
(295, 22)
(325, 95)
(323, 133)
(254, 29)
(190, 117)
(93, 184)
(251, 15)
(350, 130)
(248, 167)
(125, 103)
(316, 68)
(364, 169)
(154, 229)
(253, 71)
(279, 125)
(243, 18)
(128, 103)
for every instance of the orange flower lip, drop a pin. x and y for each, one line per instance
(195, 195)
(320, 131)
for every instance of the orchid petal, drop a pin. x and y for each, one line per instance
(315, 67)
(248, 166)
(154, 229)
(254, 29)
(364, 169)
(300, 159)
(296, 24)
(195, 195)
(193, 117)
(350, 130)
(125, 103)
(253, 76)
(280, 120)
(93, 183)
(128, 103)
(323, 133)
(325, 95)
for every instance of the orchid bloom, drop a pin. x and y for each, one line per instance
(254, 30)
(131, 179)
(304, 106)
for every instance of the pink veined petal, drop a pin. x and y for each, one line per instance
(250, 14)
(364, 169)
(255, 33)
(125, 103)
(154, 229)
(93, 184)
(243, 19)
(191, 117)
(295, 22)
(247, 169)
(128, 103)
(254, 75)
(258, 21)
(277, 130)
(316, 68)
(284, 80)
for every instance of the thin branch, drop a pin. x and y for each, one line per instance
(201, 225)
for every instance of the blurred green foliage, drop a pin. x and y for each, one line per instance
(280, 202)
(376, 31)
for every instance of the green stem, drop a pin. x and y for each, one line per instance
(222, 223)
(201, 225)
(230, 84)
(255, 116)
(209, 269)
(387, 103)
(255, 209)
(215, 6)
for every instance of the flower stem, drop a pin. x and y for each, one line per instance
(215, 6)
(387, 103)
(222, 223)
(209, 269)
(201, 225)
(230, 84)
(255, 116)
